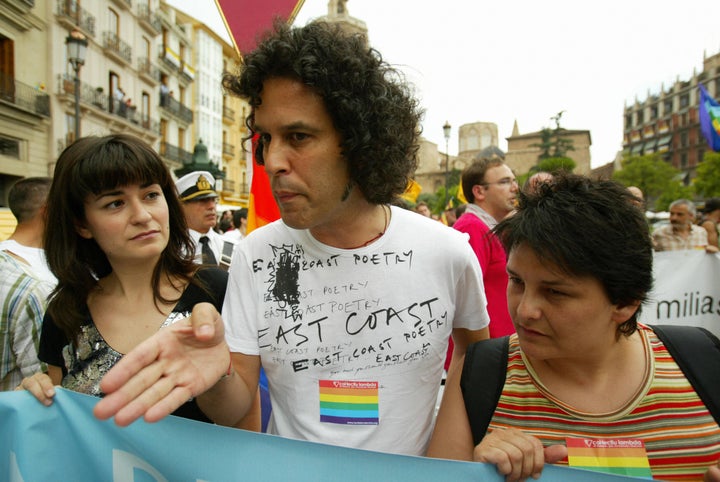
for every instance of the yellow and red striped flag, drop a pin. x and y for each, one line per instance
(245, 20)
(262, 208)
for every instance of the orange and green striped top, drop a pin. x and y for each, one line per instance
(681, 437)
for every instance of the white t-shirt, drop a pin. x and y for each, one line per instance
(234, 236)
(353, 340)
(35, 258)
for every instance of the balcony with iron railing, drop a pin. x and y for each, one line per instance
(228, 185)
(96, 97)
(23, 96)
(148, 71)
(187, 73)
(170, 58)
(27, 4)
(149, 19)
(228, 150)
(228, 114)
(176, 108)
(127, 4)
(71, 15)
(175, 153)
(117, 48)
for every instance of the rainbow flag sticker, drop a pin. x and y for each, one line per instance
(349, 402)
(611, 456)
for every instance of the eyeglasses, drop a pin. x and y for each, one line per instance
(502, 182)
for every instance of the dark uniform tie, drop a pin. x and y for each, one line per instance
(208, 257)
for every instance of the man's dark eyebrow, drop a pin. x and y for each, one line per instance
(293, 126)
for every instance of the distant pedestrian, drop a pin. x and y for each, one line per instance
(27, 200)
(682, 233)
(710, 220)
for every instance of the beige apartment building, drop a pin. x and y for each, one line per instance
(139, 76)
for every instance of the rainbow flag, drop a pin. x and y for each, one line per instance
(709, 113)
(610, 456)
(349, 402)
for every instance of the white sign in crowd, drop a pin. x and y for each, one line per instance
(686, 291)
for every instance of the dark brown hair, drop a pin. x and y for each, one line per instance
(89, 166)
(369, 101)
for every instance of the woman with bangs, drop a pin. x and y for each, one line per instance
(118, 244)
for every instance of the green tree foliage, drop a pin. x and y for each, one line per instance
(659, 181)
(675, 191)
(545, 143)
(437, 201)
(555, 164)
(707, 182)
(552, 142)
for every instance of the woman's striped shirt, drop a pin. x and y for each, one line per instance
(681, 437)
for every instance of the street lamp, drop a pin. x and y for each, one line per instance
(446, 133)
(76, 44)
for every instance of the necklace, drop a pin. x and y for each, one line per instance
(375, 238)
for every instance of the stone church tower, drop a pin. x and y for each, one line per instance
(338, 13)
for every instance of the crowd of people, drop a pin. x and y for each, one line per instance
(349, 303)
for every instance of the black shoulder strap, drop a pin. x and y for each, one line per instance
(482, 381)
(697, 353)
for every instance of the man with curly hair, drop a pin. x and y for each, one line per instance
(347, 302)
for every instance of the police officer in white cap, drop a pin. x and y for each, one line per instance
(199, 202)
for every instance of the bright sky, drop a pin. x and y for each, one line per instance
(526, 60)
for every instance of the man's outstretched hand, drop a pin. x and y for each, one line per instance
(166, 370)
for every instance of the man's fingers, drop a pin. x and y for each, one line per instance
(130, 404)
(206, 322)
(168, 404)
(135, 392)
(129, 366)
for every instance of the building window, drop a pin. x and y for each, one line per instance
(69, 129)
(653, 112)
(640, 118)
(683, 160)
(683, 139)
(684, 101)
(667, 109)
(145, 109)
(113, 22)
(9, 147)
(628, 121)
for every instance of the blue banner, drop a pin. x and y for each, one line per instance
(66, 442)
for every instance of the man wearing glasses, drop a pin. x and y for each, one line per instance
(491, 189)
